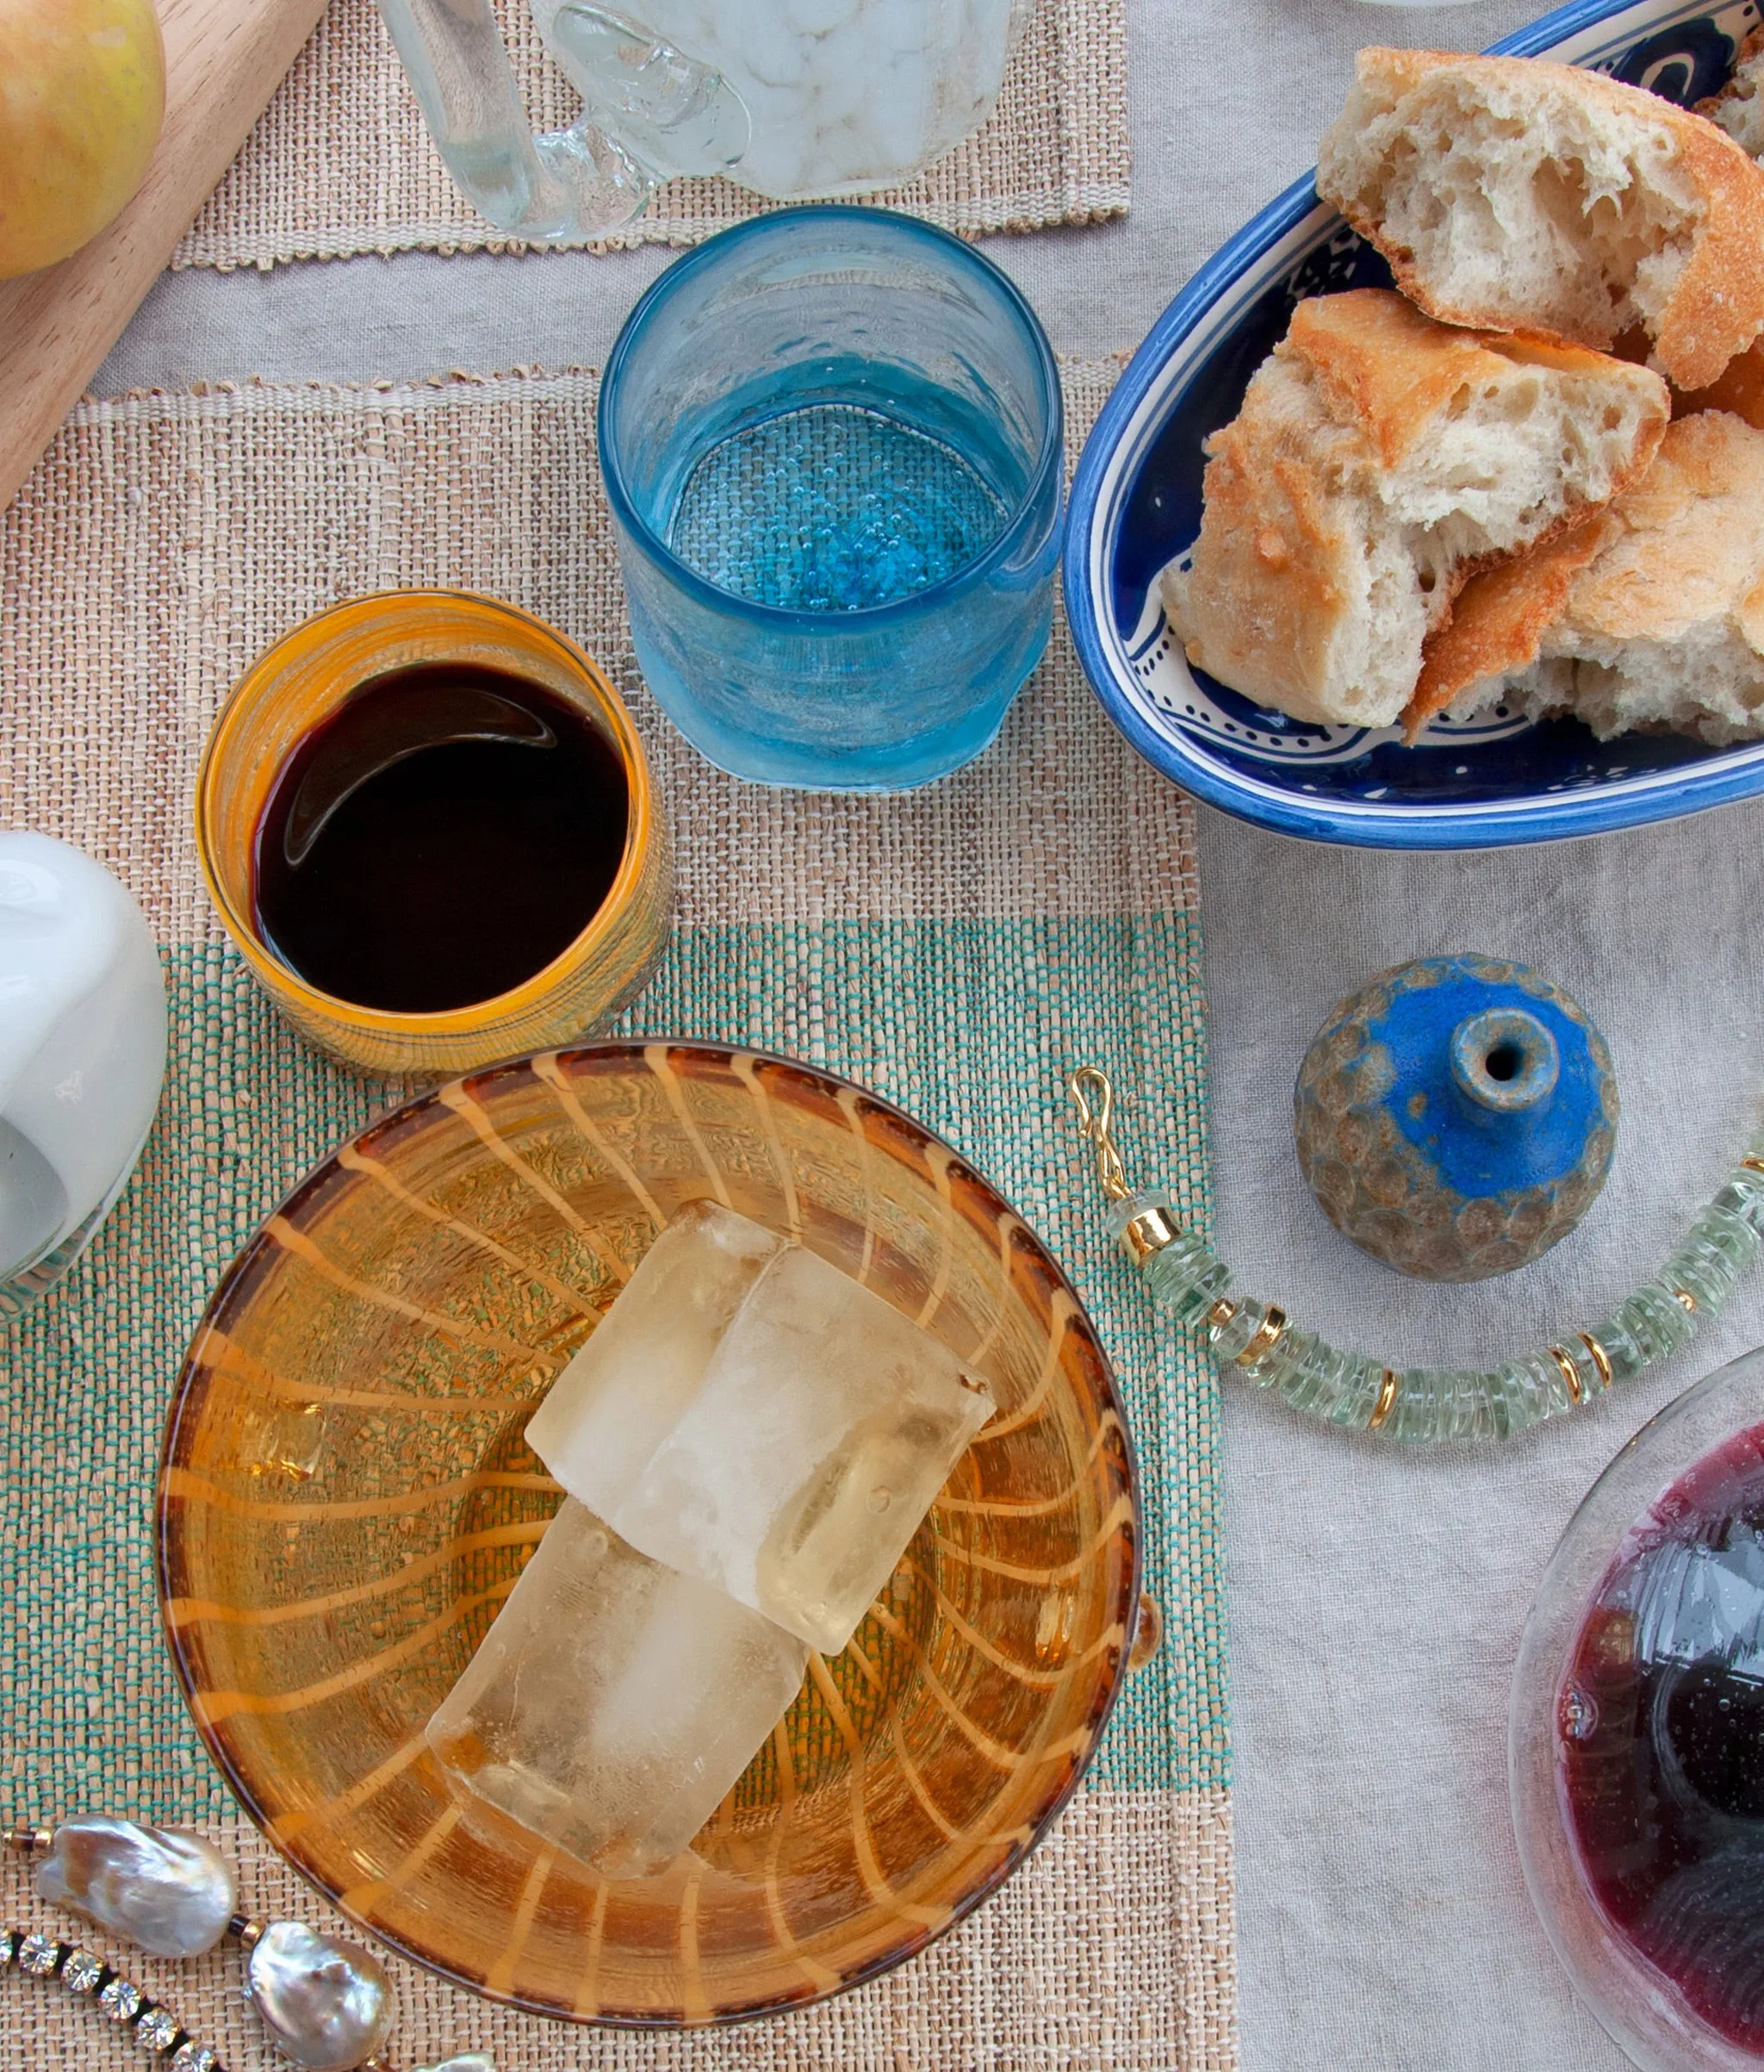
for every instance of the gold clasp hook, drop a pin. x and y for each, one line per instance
(1155, 1226)
(1096, 1123)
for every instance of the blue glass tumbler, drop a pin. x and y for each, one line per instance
(831, 439)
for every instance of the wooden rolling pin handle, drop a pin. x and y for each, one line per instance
(223, 60)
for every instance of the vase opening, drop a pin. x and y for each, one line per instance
(1506, 1060)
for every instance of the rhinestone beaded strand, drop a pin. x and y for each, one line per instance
(87, 1976)
(1257, 1341)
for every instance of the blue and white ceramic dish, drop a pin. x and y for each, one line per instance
(1136, 505)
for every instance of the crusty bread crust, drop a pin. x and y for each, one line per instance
(1675, 563)
(1718, 309)
(1388, 369)
(1740, 390)
(1498, 620)
(1715, 309)
(1294, 514)
(1269, 589)
(1668, 555)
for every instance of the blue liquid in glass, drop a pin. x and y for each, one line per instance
(831, 442)
(832, 506)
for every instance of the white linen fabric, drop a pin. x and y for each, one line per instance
(1376, 1596)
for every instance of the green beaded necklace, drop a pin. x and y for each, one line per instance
(1420, 1404)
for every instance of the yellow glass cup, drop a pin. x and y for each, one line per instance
(303, 679)
(913, 1773)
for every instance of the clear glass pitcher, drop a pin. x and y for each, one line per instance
(791, 98)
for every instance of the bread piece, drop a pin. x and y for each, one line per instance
(1497, 623)
(1651, 615)
(1739, 390)
(1512, 193)
(1739, 107)
(1378, 459)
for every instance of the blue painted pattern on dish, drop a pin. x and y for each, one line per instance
(1136, 505)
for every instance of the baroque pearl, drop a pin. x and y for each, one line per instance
(466, 2060)
(326, 2003)
(171, 1892)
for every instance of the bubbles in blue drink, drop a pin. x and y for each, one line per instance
(832, 507)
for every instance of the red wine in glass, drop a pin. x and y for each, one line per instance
(1659, 1739)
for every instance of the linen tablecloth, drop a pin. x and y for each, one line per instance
(1375, 1597)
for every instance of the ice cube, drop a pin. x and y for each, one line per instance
(823, 1427)
(614, 1702)
(825, 1424)
(623, 1393)
(749, 1415)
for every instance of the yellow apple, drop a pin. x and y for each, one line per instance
(82, 97)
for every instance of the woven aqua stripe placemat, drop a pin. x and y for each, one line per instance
(957, 950)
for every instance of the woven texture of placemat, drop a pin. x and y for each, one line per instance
(341, 163)
(958, 949)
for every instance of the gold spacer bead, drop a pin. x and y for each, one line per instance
(1570, 1374)
(1386, 1400)
(1273, 1329)
(28, 1841)
(250, 1933)
(1601, 1359)
(1752, 1164)
(1220, 1314)
(1150, 1231)
(1684, 1296)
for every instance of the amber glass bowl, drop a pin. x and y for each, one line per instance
(300, 681)
(346, 1498)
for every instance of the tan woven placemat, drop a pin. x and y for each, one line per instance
(341, 163)
(956, 949)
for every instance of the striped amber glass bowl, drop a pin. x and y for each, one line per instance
(298, 684)
(346, 1499)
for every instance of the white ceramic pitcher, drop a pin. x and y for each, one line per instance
(791, 98)
(81, 1054)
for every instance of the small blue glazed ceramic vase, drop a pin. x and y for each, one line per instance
(1455, 1117)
